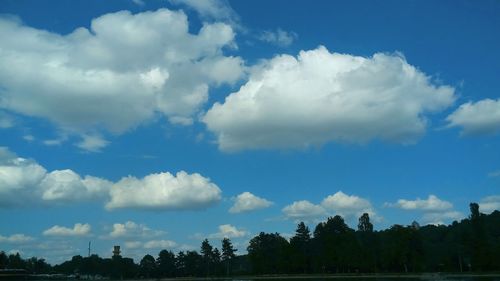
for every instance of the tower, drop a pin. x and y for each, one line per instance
(116, 251)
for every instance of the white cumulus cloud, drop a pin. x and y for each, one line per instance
(77, 230)
(247, 201)
(479, 118)
(164, 191)
(16, 238)
(24, 181)
(131, 229)
(438, 218)
(66, 185)
(303, 211)
(490, 203)
(147, 63)
(318, 97)
(432, 203)
(347, 205)
(228, 231)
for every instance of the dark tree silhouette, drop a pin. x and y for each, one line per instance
(364, 223)
(166, 264)
(4, 260)
(300, 248)
(474, 211)
(148, 266)
(228, 254)
(268, 253)
(207, 253)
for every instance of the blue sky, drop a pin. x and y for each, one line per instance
(156, 124)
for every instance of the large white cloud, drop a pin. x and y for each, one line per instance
(434, 210)
(490, 203)
(320, 96)
(66, 185)
(348, 206)
(131, 229)
(246, 202)
(164, 191)
(78, 229)
(432, 203)
(148, 63)
(482, 117)
(24, 181)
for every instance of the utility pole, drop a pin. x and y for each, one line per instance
(89, 249)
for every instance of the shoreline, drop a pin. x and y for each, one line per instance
(339, 276)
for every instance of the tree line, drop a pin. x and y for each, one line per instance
(471, 245)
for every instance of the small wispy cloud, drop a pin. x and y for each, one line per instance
(16, 238)
(92, 143)
(131, 229)
(278, 37)
(138, 2)
(494, 174)
(6, 121)
(28, 138)
(219, 10)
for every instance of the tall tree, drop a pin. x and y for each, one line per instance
(207, 254)
(180, 264)
(228, 253)
(216, 262)
(474, 211)
(4, 260)
(335, 246)
(364, 224)
(366, 258)
(300, 244)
